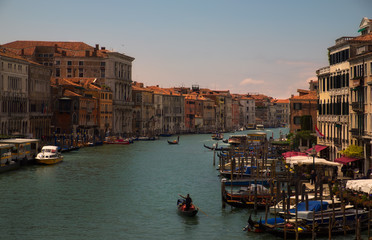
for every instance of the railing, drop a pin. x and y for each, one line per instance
(343, 39)
(356, 132)
(357, 106)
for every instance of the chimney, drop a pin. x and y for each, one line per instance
(97, 46)
(55, 48)
(22, 51)
(103, 48)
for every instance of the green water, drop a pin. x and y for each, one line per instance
(122, 192)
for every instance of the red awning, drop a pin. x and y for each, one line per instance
(318, 148)
(293, 154)
(345, 160)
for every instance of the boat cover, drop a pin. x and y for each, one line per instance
(313, 205)
(272, 221)
(364, 185)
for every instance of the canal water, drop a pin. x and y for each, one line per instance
(123, 192)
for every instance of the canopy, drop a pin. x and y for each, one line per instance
(345, 160)
(318, 148)
(292, 154)
(307, 160)
(364, 185)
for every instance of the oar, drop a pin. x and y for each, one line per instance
(201, 210)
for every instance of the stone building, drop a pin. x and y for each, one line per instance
(169, 106)
(77, 59)
(248, 111)
(361, 96)
(24, 96)
(39, 101)
(143, 111)
(343, 88)
(282, 112)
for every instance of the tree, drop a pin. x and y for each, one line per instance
(353, 151)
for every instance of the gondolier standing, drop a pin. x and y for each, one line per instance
(188, 201)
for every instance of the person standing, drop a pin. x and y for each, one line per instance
(312, 177)
(188, 201)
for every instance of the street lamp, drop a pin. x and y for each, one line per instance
(313, 153)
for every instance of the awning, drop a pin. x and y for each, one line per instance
(318, 148)
(362, 29)
(345, 160)
(292, 154)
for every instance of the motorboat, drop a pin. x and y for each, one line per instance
(49, 155)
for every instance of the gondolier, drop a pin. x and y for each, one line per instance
(188, 201)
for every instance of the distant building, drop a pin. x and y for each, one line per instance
(77, 59)
(282, 112)
(24, 96)
(143, 110)
(303, 110)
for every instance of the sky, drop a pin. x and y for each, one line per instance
(264, 46)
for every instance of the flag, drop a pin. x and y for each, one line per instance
(318, 133)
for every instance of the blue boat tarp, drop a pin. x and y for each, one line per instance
(249, 170)
(272, 221)
(313, 205)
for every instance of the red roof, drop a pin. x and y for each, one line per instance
(75, 49)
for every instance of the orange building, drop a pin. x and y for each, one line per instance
(303, 110)
(75, 108)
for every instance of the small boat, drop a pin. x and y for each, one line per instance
(181, 205)
(112, 140)
(217, 136)
(246, 198)
(217, 148)
(281, 227)
(174, 141)
(49, 155)
(165, 135)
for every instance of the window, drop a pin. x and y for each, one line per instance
(103, 64)
(69, 63)
(20, 68)
(58, 72)
(297, 120)
(103, 73)
(81, 72)
(297, 106)
(69, 71)
(81, 63)
(58, 62)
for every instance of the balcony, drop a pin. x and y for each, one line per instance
(357, 107)
(356, 132)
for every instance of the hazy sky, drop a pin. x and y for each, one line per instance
(266, 46)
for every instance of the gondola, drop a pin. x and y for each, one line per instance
(174, 141)
(191, 212)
